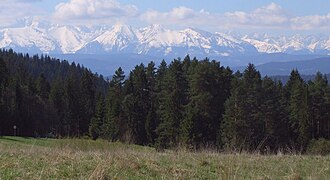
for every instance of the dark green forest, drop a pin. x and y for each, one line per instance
(187, 103)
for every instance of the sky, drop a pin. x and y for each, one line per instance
(284, 16)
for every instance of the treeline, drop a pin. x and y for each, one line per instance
(285, 78)
(43, 96)
(200, 104)
(190, 103)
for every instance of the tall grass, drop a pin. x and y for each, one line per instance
(27, 158)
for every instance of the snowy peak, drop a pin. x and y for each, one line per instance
(262, 46)
(150, 31)
(29, 37)
(118, 38)
(69, 40)
(39, 37)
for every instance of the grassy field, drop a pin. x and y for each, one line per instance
(28, 158)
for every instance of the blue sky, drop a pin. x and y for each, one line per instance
(298, 7)
(287, 16)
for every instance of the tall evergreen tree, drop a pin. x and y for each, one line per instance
(173, 97)
(233, 119)
(43, 87)
(87, 97)
(136, 105)
(243, 127)
(98, 118)
(297, 109)
(114, 114)
(57, 101)
(152, 120)
(326, 124)
(73, 113)
(275, 122)
(318, 106)
(207, 92)
(4, 78)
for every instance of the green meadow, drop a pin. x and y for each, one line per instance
(30, 158)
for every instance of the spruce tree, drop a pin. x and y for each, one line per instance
(171, 106)
(113, 120)
(297, 109)
(327, 106)
(87, 97)
(4, 78)
(43, 87)
(242, 126)
(73, 115)
(233, 126)
(272, 113)
(57, 101)
(152, 118)
(205, 108)
(98, 118)
(137, 105)
(318, 106)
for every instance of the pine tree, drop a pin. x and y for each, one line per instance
(318, 106)
(57, 101)
(172, 99)
(326, 127)
(73, 115)
(152, 118)
(4, 75)
(16, 106)
(114, 116)
(242, 126)
(4, 78)
(43, 87)
(275, 122)
(205, 108)
(298, 110)
(137, 106)
(282, 128)
(97, 120)
(233, 126)
(87, 97)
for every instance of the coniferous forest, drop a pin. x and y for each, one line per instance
(187, 103)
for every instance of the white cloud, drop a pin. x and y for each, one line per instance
(311, 22)
(27, 1)
(271, 16)
(177, 16)
(12, 10)
(93, 11)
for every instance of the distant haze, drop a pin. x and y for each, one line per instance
(106, 34)
(105, 48)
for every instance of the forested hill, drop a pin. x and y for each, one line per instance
(192, 103)
(40, 94)
(306, 78)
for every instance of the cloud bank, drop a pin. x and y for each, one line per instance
(95, 12)
(271, 16)
(12, 10)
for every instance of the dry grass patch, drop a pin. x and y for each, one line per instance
(85, 159)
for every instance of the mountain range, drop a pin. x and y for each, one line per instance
(155, 41)
(307, 67)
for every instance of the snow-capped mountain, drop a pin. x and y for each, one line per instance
(153, 40)
(297, 44)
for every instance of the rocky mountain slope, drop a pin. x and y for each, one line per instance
(153, 40)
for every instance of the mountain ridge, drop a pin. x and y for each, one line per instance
(305, 67)
(153, 40)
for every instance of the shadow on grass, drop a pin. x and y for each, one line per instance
(12, 138)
